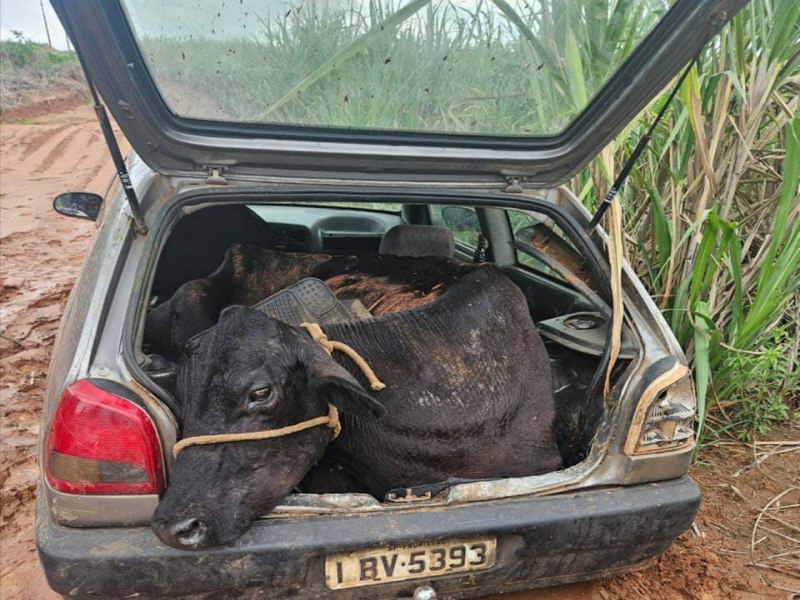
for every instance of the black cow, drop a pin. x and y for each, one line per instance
(469, 394)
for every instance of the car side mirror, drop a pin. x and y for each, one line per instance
(82, 205)
(459, 218)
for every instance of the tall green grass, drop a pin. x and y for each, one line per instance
(713, 217)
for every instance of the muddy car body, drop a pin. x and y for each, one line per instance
(110, 422)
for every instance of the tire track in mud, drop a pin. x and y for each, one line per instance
(50, 156)
(13, 140)
(71, 155)
(64, 151)
(31, 143)
(96, 178)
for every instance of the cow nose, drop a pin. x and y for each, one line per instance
(189, 533)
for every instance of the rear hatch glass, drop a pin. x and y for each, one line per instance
(454, 91)
(506, 68)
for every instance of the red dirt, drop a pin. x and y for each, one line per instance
(41, 255)
(45, 106)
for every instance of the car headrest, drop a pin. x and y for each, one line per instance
(418, 241)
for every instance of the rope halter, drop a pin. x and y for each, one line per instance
(329, 346)
(331, 419)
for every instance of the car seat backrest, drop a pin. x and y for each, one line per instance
(417, 241)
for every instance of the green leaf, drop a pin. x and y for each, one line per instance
(575, 74)
(777, 280)
(783, 29)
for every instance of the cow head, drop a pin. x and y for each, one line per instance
(249, 373)
(192, 309)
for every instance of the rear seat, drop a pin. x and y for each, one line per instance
(418, 241)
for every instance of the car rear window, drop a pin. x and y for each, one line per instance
(488, 67)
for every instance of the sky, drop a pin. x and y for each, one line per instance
(26, 16)
(226, 18)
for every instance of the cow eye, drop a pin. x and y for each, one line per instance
(264, 397)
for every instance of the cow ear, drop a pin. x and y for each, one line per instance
(342, 390)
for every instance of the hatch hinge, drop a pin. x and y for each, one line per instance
(215, 175)
(514, 185)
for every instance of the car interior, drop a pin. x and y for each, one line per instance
(570, 315)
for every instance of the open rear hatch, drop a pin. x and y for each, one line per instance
(417, 90)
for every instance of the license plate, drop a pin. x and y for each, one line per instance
(408, 561)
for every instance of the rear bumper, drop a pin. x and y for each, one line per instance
(541, 541)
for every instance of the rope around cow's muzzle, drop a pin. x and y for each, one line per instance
(331, 419)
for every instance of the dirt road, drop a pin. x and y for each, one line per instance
(41, 253)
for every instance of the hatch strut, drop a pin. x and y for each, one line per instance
(116, 154)
(628, 166)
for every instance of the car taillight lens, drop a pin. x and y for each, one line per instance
(101, 443)
(664, 419)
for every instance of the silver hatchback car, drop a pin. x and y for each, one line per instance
(317, 127)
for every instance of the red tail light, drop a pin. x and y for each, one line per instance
(101, 443)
